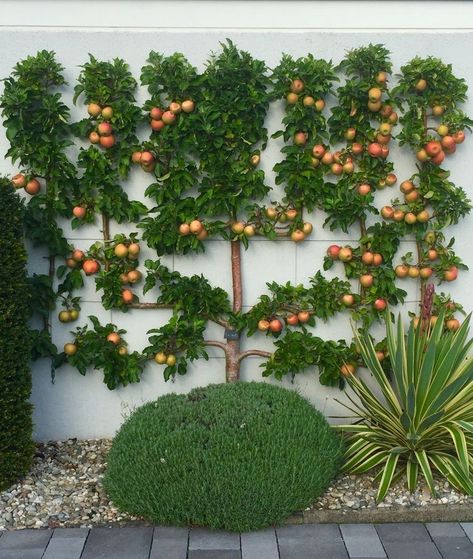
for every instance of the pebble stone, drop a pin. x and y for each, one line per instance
(64, 489)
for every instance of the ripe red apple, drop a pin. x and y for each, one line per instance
(114, 338)
(367, 258)
(107, 113)
(406, 187)
(364, 189)
(157, 125)
(297, 86)
(384, 151)
(327, 158)
(377, 259)
(375, 149)
(383, 140)
(348, 299)
(156, 113)
(147, 157)
(432, 254)
(345, 254)
(308, 101)
(336, 168)
(79, 211)
(318, 151)
(300, 138)
(410, 218)
(451, 274)
(398, 215)
(401, 270)
(356, 148)
(425, 272)
(90, 266)
(104, 129)
(386, 111)
(94, 110)
(387, 212)
(107, 141)
(303, 316)
(188, 106)
(320, 105)
(136, 157)
(438, 158)
(380, 304)
(127, 296)
(292, 319)
(292, 98)
(453, 324)
(393, 118)
(333, 251)
(391, 179)
(275, 325)
(168, 117)
(366, 280)
(459, 137)
(263, 325)
(448, 143)
(175, 108)
(33, 187)
(78, 255)
(433, 147)
(19, 181)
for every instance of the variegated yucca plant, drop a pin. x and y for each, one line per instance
(423, 420)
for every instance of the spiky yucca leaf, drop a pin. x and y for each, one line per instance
(424, 419)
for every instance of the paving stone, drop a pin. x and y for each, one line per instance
(25, 539)
(468, 528)
(259, 545)
(118, 543)
(201, 538)
(411, 550)
(22, 553)
(401, 532)
(169, 543)
(445, 530)
(64, 548)
(454, 548)
(214, 554)
(362, 540)
(70, 533)
(311, 541)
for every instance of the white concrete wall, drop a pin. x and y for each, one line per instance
(82, 406)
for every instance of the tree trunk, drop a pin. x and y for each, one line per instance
(232, 351)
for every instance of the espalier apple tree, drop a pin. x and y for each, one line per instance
(206, 137)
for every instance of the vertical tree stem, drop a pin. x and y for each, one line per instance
(232, 352)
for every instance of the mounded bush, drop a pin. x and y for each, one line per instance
(16, 445)
(234, 456)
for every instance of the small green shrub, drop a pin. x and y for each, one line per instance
(16, 445)
(237, 456)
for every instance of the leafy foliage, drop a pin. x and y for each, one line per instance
(16, 444)
(225, 436)
(424, 420)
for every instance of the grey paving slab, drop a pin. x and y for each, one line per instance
(65, 548)
(169, 543)
(468, 528)
(118, 543)
(214, 554)
(25, 539)
(201, 538)
(362, 540)
(70, 533)
(311, 541)
(21, 553)
(259, 545)
(411, 550)
(401, 532)
(445, 530)
(454, 548)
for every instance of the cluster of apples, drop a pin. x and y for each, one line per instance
(283, 216)
(240, 228)
(276, 325)
(195, 227)
(159, 118)
(78, 260)
(435, 150)
(408, 271)
(144, 158)
(68, 315)
(451, 324)
(103, 135)
(32, 186)
(337, 162)
(162, 358)
(115, 339)
(297, 88)
(131, 252)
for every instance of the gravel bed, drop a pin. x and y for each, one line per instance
(64, 488)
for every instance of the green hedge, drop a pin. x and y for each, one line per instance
(16, 445)
(237, 456)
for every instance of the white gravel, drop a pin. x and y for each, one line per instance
(64, 488)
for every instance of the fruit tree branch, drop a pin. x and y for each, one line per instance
(150, 306)
(214, 343)
(256, 352)
(236, 276)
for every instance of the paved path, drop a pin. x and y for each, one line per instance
(449, 540)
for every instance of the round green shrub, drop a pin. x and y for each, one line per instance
(237, 456)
